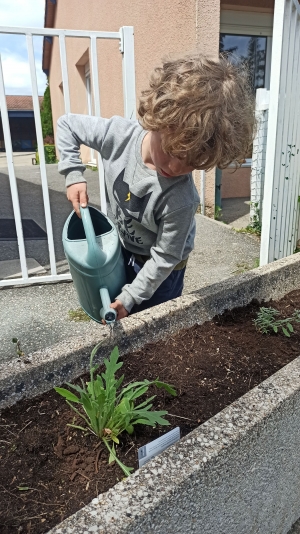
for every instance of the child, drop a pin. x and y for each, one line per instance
(196, 114)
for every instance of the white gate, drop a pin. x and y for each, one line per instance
(259, 154)
(280, 217)
(125, 36)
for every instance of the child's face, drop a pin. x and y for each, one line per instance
(165, 164)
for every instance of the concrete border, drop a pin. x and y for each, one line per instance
(236, 473)
(66, 360)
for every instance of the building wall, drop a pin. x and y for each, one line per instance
(236, 183)
(157, 33)
(161, 28)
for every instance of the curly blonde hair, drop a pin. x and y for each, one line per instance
(203, 108)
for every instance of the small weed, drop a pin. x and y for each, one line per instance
(256, 263)
(267, 321)
(92, 167)
(254, 227)
(249, 230)
(18, 347)
(218, 213)
(78, 315)
(20, 353)
(243, 267)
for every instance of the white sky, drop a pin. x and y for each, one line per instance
(13, 50)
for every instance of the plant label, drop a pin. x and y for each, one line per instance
(155, 447)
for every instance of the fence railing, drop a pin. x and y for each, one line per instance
(259, 153)
(280, 217)
(126, 39)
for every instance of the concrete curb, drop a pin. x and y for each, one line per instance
(236, 473)
(66, 360)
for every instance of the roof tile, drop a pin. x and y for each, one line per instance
(23, 102)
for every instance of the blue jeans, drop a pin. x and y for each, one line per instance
(171, 287)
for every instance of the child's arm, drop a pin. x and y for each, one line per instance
(73, 131)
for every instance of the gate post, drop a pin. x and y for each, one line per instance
(128, 67)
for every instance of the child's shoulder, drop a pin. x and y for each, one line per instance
(121, 127)
(123, 122)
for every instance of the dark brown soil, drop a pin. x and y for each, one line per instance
(48, 470)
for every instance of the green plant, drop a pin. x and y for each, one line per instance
(92, 167)
(254, 227)
(255, 222)
(218, 212)
(50, 155)
(266, 321)
(46, 114)
(108, 411)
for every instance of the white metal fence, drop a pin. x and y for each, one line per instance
(280, 218)
(126, 39)
(259, 153)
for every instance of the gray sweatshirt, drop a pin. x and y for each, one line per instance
(154, 215)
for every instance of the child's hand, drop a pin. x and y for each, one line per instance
(121, 311)
(77, 194)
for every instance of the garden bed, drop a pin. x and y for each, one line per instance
(49, 471)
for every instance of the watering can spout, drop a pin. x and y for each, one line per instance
(107, 313)
(96, 256)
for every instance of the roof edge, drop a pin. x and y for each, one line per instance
(50, 10)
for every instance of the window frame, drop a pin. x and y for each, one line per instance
(250, 23)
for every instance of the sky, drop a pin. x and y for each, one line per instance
(13, 48)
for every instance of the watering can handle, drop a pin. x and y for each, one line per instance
(95, 256)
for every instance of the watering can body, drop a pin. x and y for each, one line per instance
(93, 251)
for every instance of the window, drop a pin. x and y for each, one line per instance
(247, 36)
(250, 50)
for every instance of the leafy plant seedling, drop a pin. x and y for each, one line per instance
(110, 411)
(18, 346)
(266, 321)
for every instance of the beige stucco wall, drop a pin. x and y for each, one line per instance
(160, 28)
(157, 33)
(236, 183)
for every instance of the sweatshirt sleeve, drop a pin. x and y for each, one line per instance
(173, 244)
(73, 131)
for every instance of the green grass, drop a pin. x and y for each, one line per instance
(243, 267)
(78, 315)
(249, 230)
(92, 167)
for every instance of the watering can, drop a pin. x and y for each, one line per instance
(93, 251)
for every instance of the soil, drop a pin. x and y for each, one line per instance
(49, 470)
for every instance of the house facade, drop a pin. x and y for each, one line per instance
(242, 28)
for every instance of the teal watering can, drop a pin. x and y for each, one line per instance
(93, 251)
